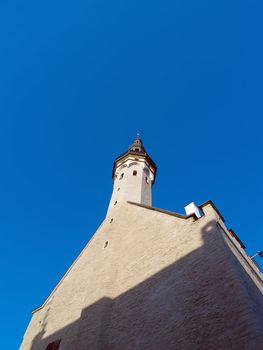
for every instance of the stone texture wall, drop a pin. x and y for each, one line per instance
(162, 282)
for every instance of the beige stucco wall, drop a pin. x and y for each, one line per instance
(162, 282)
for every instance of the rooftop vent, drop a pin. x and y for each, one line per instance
(192, 208)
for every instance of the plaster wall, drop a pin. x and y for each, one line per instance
(132, 182)
(160, 282)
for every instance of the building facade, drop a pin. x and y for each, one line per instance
(153, 279)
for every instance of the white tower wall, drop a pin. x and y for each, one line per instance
(133, 179)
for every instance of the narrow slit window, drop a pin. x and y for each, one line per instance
(115, 202)
(106, 244)
(147, 179)
(111, 220)
(134, 173)
(121, 177)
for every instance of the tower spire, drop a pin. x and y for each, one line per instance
(137, 145)
(133, 175)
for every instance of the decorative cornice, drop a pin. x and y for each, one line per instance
(135, 155)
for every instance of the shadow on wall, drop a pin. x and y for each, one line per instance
(205, 300)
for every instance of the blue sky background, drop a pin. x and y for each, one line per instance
(77, 80)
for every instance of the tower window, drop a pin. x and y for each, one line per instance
(146, 171)
(54, 345)
(111, 220)
(147, 179)
(134, 173)
(121, 177)
(106, 244)
(118, 189)
(115, 202)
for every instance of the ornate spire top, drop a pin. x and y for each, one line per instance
(137, 145)
(135, 151)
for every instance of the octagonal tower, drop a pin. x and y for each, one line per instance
(133, 176)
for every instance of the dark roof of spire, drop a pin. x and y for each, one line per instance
(136, 149)
(137, 145)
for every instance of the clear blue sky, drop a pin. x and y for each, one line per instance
(77, 80)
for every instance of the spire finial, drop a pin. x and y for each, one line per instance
(138, 134)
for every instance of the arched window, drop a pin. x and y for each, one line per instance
(121, 177)
(133, 163)
(134, 172)
(123, 166)
(147, 179)
(146, 171)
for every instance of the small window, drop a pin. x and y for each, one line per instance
(111, 220)
(147, 179)
(146, 171)
(115, 202)
(118, 189)
(134, 173)
(106, 244)
(54, 345)
(121, 177)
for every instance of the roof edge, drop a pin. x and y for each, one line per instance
(209, 202)
(135, 154)
(171, 213)
(66, 273)
(242, 245)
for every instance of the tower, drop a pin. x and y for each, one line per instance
(133, 176)
(153, 279)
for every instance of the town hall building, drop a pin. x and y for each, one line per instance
(152, 279)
